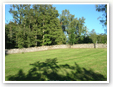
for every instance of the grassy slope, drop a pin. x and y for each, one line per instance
(95, 59)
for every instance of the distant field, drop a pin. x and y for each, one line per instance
(58, 64)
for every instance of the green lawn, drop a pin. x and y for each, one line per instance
(59, 64)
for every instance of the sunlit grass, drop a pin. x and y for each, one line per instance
(95, 59)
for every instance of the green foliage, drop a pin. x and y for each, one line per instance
(37, 25)
(72, 36)
(102, 38)
(102, 8)
(73, 26)
(85, 39)
(34, 25)
(93, 36)
(103, 19)
(65, 19)
(10, 35)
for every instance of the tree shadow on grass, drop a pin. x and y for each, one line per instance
(51, 71)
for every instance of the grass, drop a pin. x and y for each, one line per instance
(58, 64)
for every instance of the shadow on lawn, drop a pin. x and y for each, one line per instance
(51, 71)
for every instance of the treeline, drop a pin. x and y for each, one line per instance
(39, 25)
(102, 38)
(33, 25)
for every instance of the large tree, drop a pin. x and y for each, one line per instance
(72, 26)
(50, 25)
(72, 31)
(65, 19)
(36, 25)
(93, 36)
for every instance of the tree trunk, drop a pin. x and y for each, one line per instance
(95, 45)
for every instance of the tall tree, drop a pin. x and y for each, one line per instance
(65, 19)
(18, 12)
(93, 36)
(76, 30)
(10, 35)
(72, 31)
(50, 25)
(80, 26)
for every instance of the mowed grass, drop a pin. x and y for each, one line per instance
(94, 59)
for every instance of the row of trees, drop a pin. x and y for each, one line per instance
(38, 25)
(98, 38)
(33, 25)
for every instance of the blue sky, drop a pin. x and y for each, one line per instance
(88, 11)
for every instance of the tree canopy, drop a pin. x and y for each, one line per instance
(40, 25)
(36, 25)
